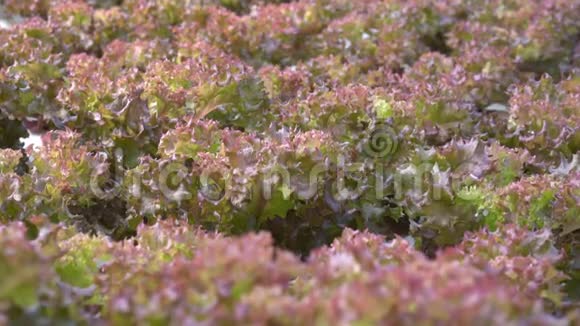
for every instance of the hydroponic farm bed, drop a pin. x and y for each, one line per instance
(312, 162)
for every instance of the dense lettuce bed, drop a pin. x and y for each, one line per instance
(273, 162)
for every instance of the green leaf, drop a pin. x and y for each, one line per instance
(240, 288)
(278, 205)
(382, 109)
(130, 152)
(74, 274)
(20, 287)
